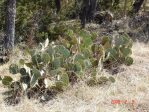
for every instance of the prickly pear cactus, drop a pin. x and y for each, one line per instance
(53, 66)
(117, 50)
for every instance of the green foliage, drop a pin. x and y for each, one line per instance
(100, 80)
(7, 80)
(67, 53)
(112, 79)
(23, 71)
(13, 69)
(32, 18)
(65, 61)
(37, 19)
(128, 61)
(117, 50)
(35, 76)
(61, 50)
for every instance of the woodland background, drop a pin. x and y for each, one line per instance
(49, 63)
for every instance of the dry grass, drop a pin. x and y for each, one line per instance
(131, 84)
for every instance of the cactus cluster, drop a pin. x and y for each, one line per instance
(65, 60)
(119, 50)
(114, 51)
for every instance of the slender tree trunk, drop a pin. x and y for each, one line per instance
(144, 5)
(132, 2)
(137, 5)
(10, 25)
(125, 8)
(107, 4)
(58, 5)
(116, 3)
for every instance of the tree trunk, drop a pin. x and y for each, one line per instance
(125, 8)
(116, 3)
(107, 4)
(58, 5)
(137, 5)
(144, 5)
(10, 25)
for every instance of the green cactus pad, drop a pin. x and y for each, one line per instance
(60, 49)
(105, 40)
(65, 79)
(13, 68)
(21, 62)
(36, 59)
(79, 58)
(112, 53)
(87, 64)
(104, 79)
(46, 58)
(35, 76)
(128, 61)
(119, 41)
(7, 80)
(126, 51)
(91, 82)
(50, 50)
(56, 63)
(112, 79)
(23, 71)
(77, 67)
(26, 79)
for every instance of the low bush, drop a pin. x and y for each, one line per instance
(53, 66)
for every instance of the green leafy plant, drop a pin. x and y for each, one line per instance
(116, 51)
(100, 80)
(49, 61)
(53, 66)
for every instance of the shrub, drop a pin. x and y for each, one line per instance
(55, 65)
